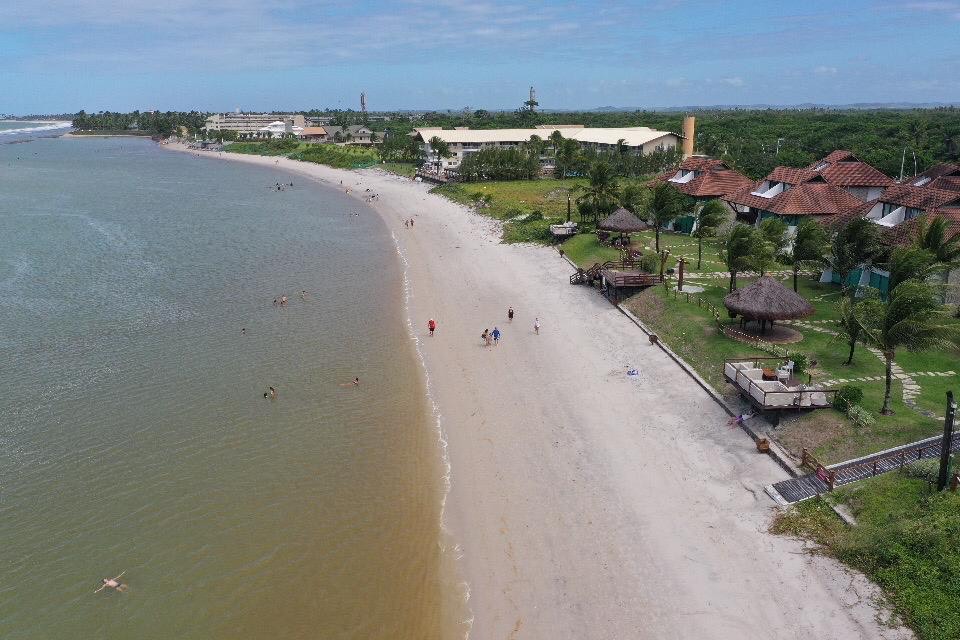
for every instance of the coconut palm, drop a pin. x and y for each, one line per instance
(848, 324)
(706, 220)
(735, 250)
(810, 245)
(634, 197)
(601, 193)
(911, 319)
(666, 205)
(440, 149)
(911, 263)
(856, 244)
(566, 154)
(932, 236)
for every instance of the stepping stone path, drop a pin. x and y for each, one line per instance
(911, 388)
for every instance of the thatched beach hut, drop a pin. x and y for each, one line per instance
(767, 300)
(623, 222)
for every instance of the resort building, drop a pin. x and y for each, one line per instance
(941, 176)
(462, 141)
(251, 124)
(354, 134)
(791, 194)
(903, 202)
(314, 134)
(703, 179)
(859, 179)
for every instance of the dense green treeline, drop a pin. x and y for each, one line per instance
(755, 141)
(154, 123)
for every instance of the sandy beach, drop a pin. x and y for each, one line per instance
(588, 504)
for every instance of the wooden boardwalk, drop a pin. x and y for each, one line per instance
(813, 484)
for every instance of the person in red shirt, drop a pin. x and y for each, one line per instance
(431, 325)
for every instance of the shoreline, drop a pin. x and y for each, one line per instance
(587, 504)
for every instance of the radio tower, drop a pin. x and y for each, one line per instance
(363, 102)
(532, 103)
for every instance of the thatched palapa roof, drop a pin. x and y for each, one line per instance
(622, 221)
(768, 299)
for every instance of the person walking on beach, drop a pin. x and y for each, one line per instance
(510, 314)
(431, 325)
(485, 336)
(536, 326)
(496, 336)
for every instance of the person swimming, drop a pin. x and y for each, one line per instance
(112, 583)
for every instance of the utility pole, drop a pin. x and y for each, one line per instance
(779, 140)
(903, 158)
(945, 443)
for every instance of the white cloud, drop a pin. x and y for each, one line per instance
(825, 71)
(735, 81)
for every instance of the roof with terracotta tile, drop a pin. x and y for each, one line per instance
(791, 175)
(702, 163)
(924, 198)
(809, 198)
(844, 169)
(944, 176)
(715, 184)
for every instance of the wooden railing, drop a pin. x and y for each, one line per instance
(765, 398)
(828, 476)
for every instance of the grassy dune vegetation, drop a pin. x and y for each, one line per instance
(342, 157)
(905, 540)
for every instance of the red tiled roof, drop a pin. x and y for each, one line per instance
(715, 184)
(836, 156)
(844, 169)
(791, 175)
(924, 198)
(809, 198)
(702, 163)
(946, 183)
(840, 220)
(937, 171)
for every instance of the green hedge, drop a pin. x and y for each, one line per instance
(337, 156)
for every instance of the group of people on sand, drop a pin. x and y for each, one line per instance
(281, 187)
(408, 223)
(490, 338)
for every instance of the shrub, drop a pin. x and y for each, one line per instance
(847, 396)
(861, 418)
(923, 469)
(800, 362)
(649, 263)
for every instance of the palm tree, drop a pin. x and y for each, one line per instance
(912, 319)
(706, 220)
(932, 236)
(809, 245)
(634, 197)
(602, 192)
(770, 241)
(848, 325)
(736, 250)
(666, 205)
(910, 263)
(854, 245)
(440, 149)
(566, 154)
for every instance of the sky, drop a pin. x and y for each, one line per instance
(258, 55)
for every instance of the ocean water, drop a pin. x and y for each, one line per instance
(134, 435)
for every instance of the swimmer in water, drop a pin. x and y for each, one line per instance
(355, 383)
(112, 583)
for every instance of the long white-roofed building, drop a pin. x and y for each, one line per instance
(462, 141)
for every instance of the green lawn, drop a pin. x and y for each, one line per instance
(905, 541)
(548, 196)
(406, 169)
(692, 332)
(585, 249)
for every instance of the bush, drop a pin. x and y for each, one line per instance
(862, 419)
(800, 362)
(649, 263)
(341, 157)
(847, 396)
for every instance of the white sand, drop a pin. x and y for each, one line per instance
(588, 504)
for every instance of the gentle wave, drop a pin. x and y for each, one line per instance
(48, 126)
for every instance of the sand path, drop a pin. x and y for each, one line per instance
(589, 504)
